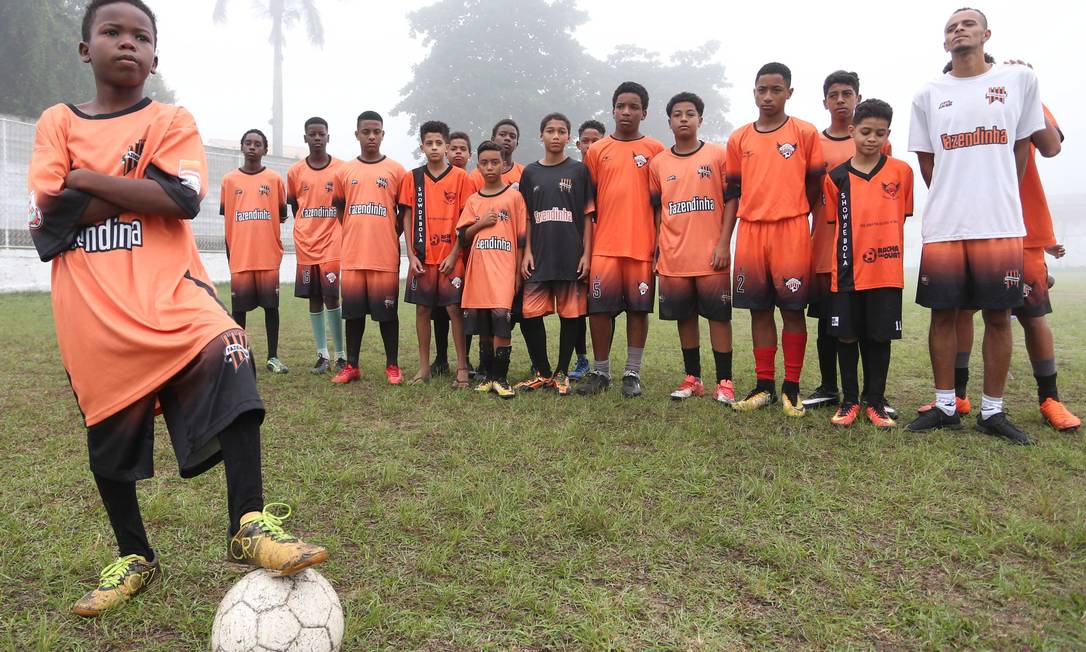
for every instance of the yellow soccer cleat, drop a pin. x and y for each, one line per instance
(484, 386)
(503, 390)
(262, 542)
(793, 409)
(120, 581)
(756, 400)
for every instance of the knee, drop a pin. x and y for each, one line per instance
(997, 319)
(847, 340)
(943, 319)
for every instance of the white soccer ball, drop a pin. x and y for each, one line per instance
(262, 613)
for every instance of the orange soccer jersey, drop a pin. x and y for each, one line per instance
(689, 189)
(836, 150)
(869, 211)
(491, 275)
(1038, 218)
(512, 177)
(317, 231)
(252, 205)
(368, 193)
(624, 215)
(132, 301)
(769, 170)
(433, 233)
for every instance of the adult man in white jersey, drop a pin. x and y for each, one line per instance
(971, 130)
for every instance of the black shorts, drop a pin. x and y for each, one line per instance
(198, 403)
(685, 297)
(819, 303)
(1036, 301)
(434, 289)
(487, 322)
(370, 292)
(873, 314)
(254, 289)
(971, 274)
(317, 281)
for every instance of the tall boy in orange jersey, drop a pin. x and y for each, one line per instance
(253, 205)
(623, 241)
(432, 198)
(365, 190)
(775, 169)
(113, 183)
(841, 94)
(687, 183)
(505, 134)
(317, 234)
(492, 229)
(869, 196)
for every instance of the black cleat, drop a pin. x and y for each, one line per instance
(321, 367)
(999, 425)
(340, 364)
(935, 419)
(631, 384)
(439, 368)
(592, 384)
(822, 397)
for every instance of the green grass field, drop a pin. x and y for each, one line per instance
(459, 522)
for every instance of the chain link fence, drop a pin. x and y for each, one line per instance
(17, 144)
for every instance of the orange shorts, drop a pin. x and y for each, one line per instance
(772, 264)
(620, 284)
(434, 289)
(254, 289)
(972, 274)
(568, 298)
(369, 292)
(1036, 302)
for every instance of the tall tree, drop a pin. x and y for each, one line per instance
(523, 61)
(284, 14)
(39, 57)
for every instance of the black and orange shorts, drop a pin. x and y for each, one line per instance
(618, 284)
(488, 322)
(254, 289)
(434, 289)
(568, 298)
(971, 274)
(772, 264)
(1036, 301)
(197, 403)
(370, 292)
(684, 297)
(317, 281)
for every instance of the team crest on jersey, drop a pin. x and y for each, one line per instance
(641, 160)
(565, 185)
(305, 187)
(946, 104)
(34, 219)
(265, 189)
(235, 349)
(671, 177)
(891, 190)
(643, 288)
(705, 171)
(238, 192)
(793, 284)
(996, 94)
(331, 276)
(329, 187)
(382, 182)
(1012, 279)
(456, 282)
(786, 149)
(503, 215)
(131, 158)
(354, 182)
(450, 197)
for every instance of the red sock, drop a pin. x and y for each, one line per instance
(765, 363)
(794, 345)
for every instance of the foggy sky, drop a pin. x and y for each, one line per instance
(222, 72)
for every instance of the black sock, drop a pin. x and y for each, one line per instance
(723, 360)
(467, 352)
(535, 338)
(501, 363)
(390, 335)
(239, 318)
(355, 328)
(1046, 388)
(878, 366)
(848, 356)
(692, 361)
(123, 508)
(568, 333)
(827, 356)
(961, 381)
(581, 344)
(765, 385)
(441, 335)
(790, 388)
(240, 443)
(486, 357)
(271, 325)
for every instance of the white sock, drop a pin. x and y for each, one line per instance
(990, 406)
(944, 400)
(323, 353)
(340, 355)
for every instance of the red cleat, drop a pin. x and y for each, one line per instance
(394, 375)
(348, 374)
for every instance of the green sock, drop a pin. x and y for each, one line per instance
(316, 322)
(335, 322)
